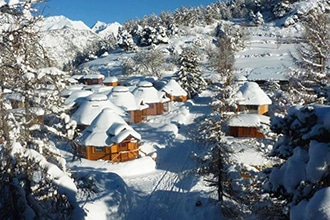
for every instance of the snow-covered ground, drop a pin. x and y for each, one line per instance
(163, 183)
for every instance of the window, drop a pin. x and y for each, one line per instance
(98, 149)
(123, 146)
(250, 108)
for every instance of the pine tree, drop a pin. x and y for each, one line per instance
(303, 147)
(189, 76)
(125, 40)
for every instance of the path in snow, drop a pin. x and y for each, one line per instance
(172, 195)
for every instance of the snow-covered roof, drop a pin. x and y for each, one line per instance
(251, 94)
(90, 108)
(149, 94)
(107, 129)
(249, 120)
(70, 89)
(97, 97)
(110, 79)
(98, 88)
(93, 76)
(173, 88)
(122, 97)
(76, 95)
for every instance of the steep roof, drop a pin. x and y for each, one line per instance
(91, 107)
(251, 94)
(249, 120)
(107, 129)
(122, 97)
(173, 88)
(149, 94)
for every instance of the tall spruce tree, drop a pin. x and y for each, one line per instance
(189, 76)
(303, 174)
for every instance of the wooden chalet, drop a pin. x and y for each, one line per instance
(248, 125)
(174, 91)
(250, 98)
(156, 100)
(110, 81)
(109, 137)
(92, 79)
(122, 97)
(91, 107)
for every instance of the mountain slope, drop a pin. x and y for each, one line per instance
(64, 39)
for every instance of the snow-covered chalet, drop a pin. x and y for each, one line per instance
(156, 100)
(109, 137)
(122, 97)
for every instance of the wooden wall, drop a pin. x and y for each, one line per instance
(263, 109)
(245, 132)
(116, 153)
(137, 116)
(93, 81)
(155, 109)
(111, 84)
(180, 98)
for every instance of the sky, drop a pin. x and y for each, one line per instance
(110, 11)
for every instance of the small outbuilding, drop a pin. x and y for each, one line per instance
(109, 137)
(174, 91)
(248, 125)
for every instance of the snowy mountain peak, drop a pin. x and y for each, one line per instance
(62, 22)
(104, 30)
(99, 26)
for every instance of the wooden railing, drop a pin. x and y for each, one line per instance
(113, 160)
